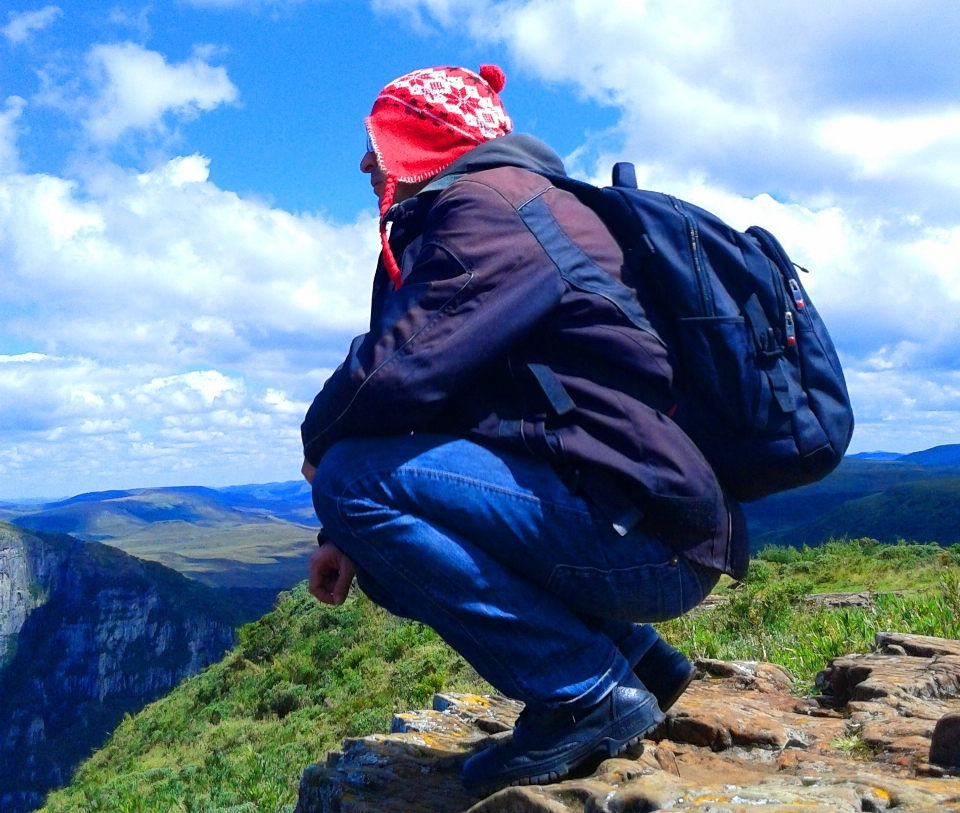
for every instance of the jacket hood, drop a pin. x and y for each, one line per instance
(511, 150)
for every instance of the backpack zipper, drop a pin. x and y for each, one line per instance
(785, 268)
(707, 305)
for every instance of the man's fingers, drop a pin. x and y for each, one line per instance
(344, 580)
(329, 574)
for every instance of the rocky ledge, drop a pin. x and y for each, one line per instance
(884, 734)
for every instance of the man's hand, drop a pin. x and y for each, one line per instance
(308, 471)
(330, 574)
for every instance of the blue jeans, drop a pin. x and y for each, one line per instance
(525, 580)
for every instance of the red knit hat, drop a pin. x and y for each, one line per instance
(422, 122)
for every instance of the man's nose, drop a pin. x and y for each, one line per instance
(369, 162)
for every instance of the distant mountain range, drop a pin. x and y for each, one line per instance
(250, 538)
(937, 456)
(886, 496)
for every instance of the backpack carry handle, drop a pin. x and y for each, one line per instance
(625, 175)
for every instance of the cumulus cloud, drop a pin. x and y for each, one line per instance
(171, 326)
(719, 88)
(157, 329)
(69, 420)
(23, 24)
(926, 146)
(136, 88)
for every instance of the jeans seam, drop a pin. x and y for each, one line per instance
(382, 474)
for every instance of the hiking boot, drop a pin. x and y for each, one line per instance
(546, 745)
(665, 672)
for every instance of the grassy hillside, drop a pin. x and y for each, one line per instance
(116, 514)
(768, 617)
(266, 553)
(937, 456)
(788, 518)
(229, 538)
(924, 511)
(237, 736)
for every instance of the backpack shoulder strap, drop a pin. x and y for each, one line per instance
(575, 267)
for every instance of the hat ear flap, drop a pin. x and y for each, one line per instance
(389, 261)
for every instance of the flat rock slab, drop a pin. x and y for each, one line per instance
(737, 741)
(877, 675)
(920, 646)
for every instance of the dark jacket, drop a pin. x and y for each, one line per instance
(484, 329)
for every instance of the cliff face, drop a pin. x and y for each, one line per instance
(21, 575)
(88, 634)
(13, 596)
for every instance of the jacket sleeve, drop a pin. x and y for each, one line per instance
(479, 282)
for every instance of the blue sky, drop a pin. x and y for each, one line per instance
(186, 244)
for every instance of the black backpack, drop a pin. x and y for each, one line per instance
(762, 392)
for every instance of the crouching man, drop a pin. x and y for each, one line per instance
(494, 458)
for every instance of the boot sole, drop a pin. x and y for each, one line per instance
(610, 745)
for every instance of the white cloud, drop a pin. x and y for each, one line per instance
(168, 260)
(136, 88)
(205, 321)
(13, 108)
(23, 24)
(139, 22)
(67, 421)
(715, 87)
(158, 329)
(209, 385)
(901, 411)
(22, 358)
(926, 145)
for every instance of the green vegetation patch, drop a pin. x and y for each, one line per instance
(305, 676)
(856, 564)
(769, 616)
(300, 680)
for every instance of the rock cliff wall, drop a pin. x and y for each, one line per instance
(14, 594)
(737, 741)
(23, 571)
(88, 634)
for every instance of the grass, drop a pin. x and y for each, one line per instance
(236, 737)
(853, 746)
(768, 618)
(857, 564)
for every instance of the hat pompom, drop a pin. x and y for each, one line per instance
(493, 76)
